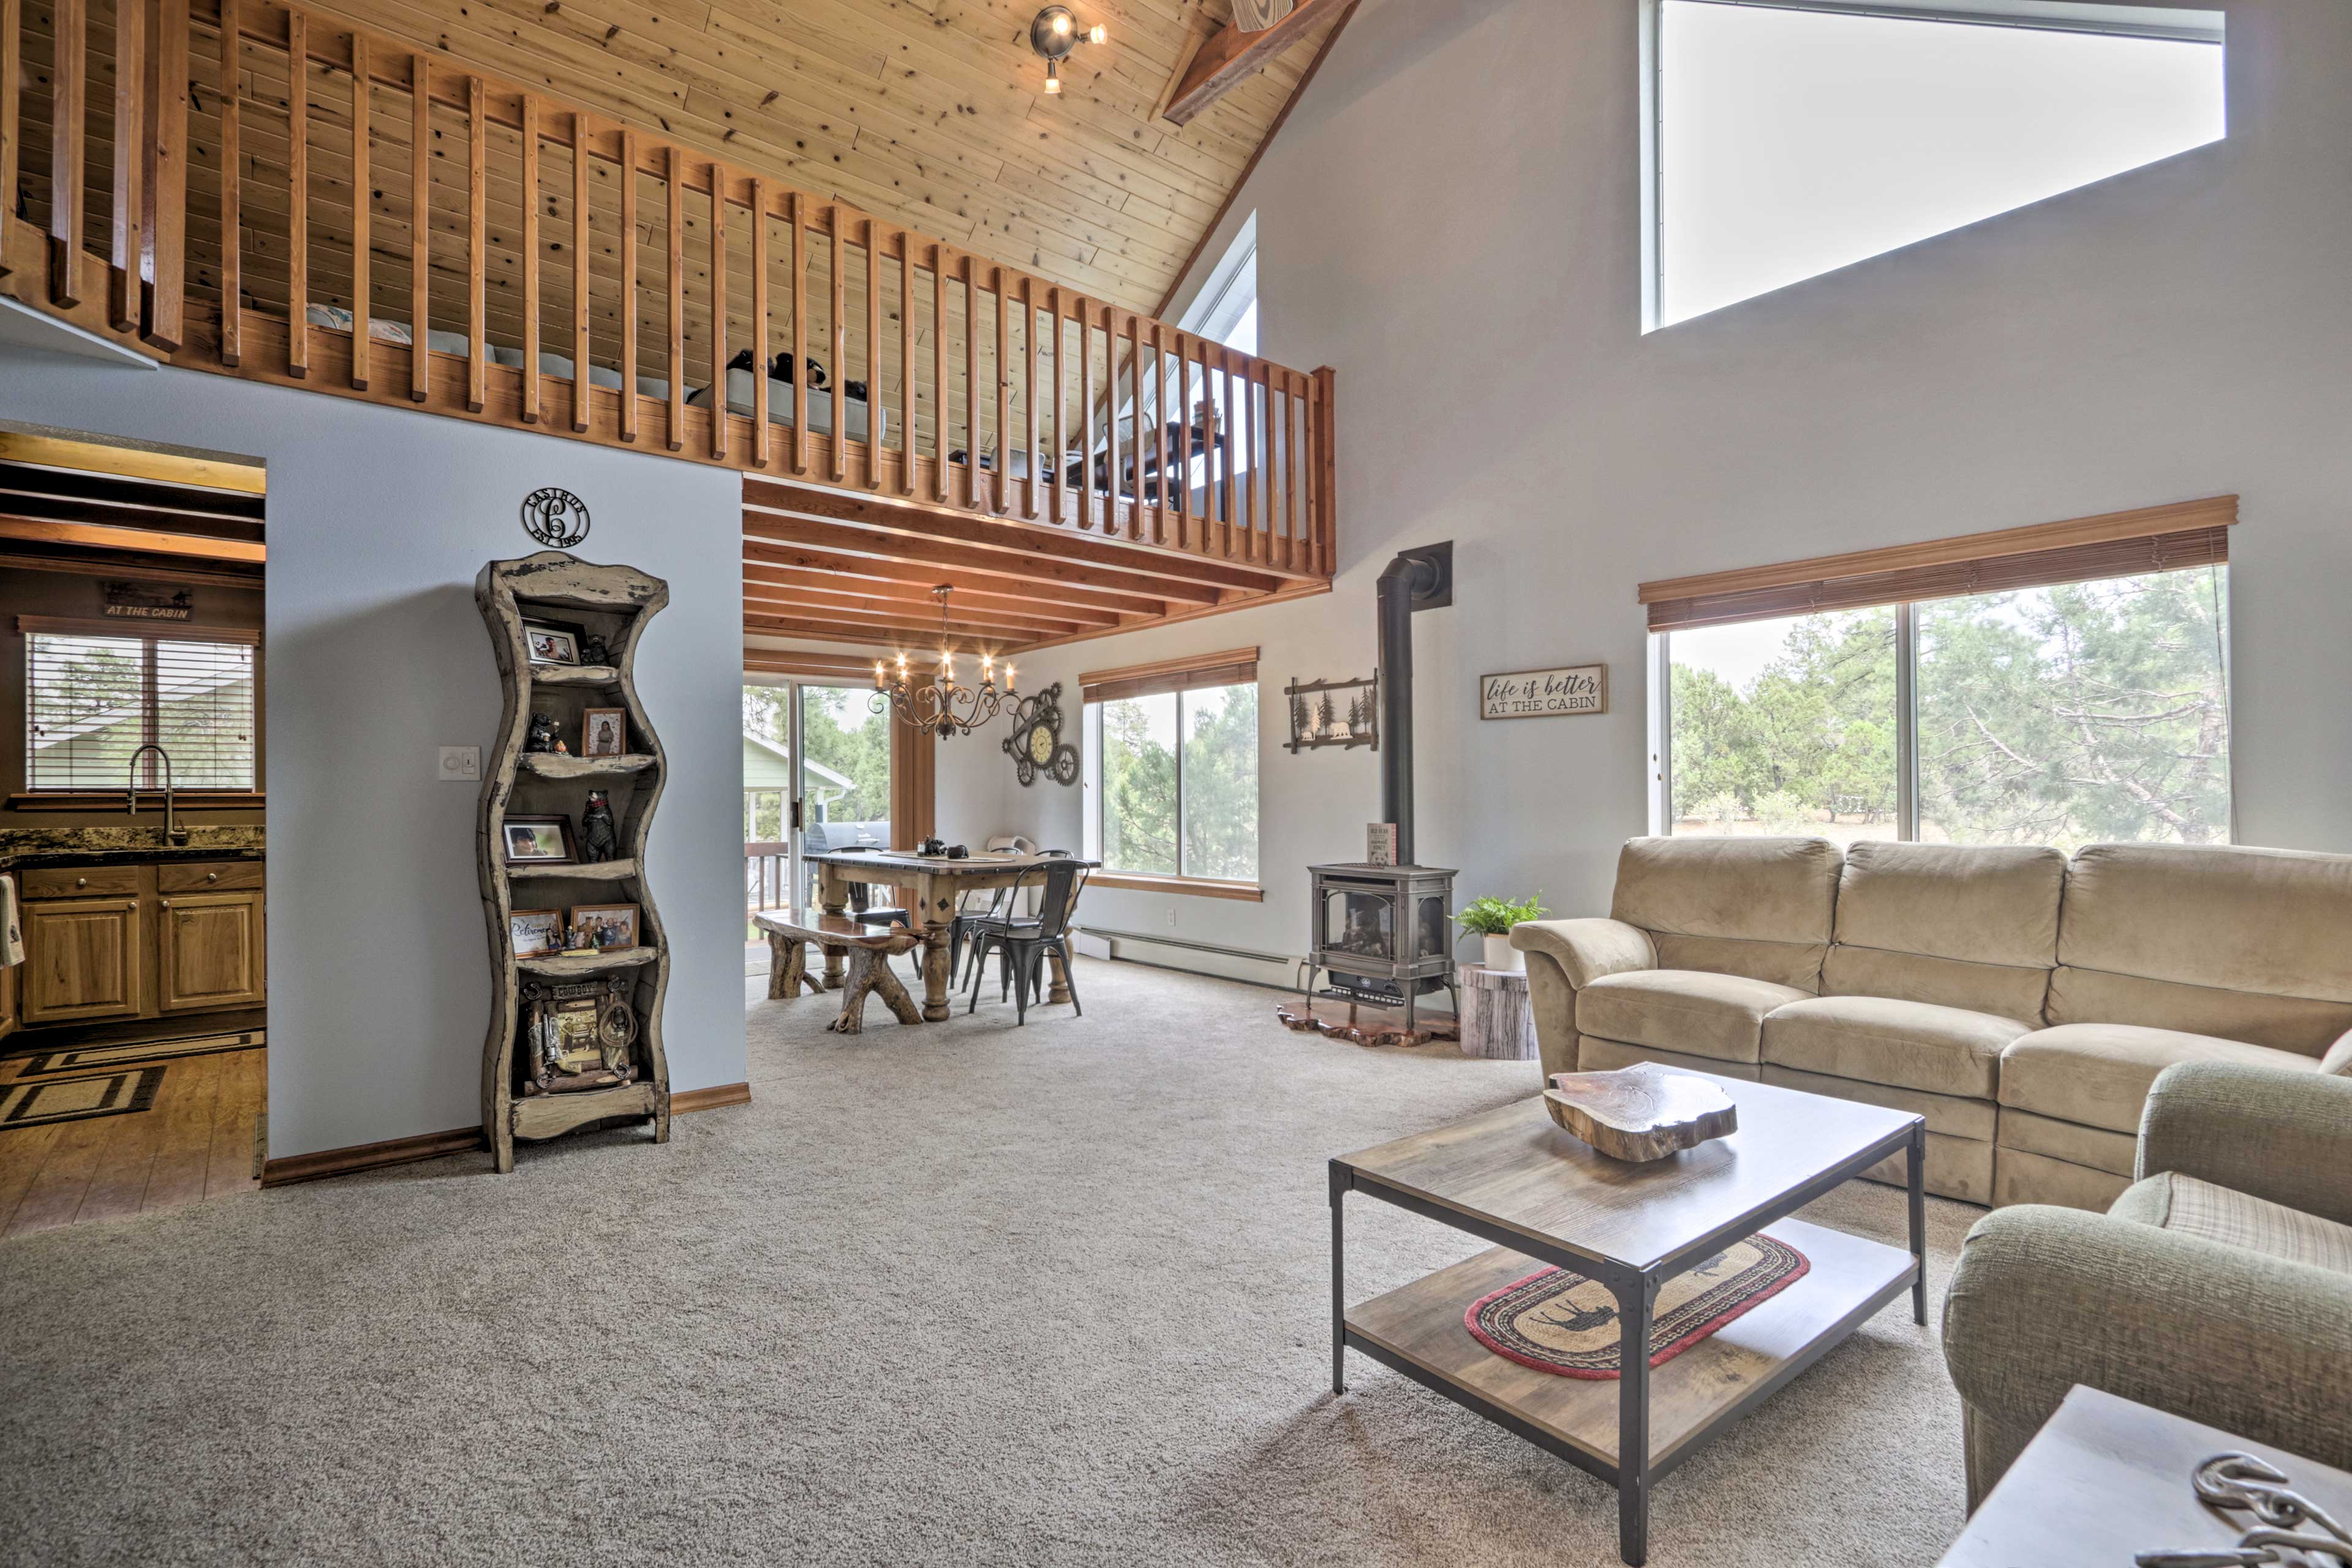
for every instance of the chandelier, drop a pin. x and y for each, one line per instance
(938, 703)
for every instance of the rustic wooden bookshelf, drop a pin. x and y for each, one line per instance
(611, 603)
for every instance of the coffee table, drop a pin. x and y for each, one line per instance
(1513, 1178)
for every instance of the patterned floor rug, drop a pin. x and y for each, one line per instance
(1560, 1323)
(47, 1101)
(54, 1064)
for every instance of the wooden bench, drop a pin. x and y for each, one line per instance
(868, 949)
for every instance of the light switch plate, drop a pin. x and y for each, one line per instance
(461, 765)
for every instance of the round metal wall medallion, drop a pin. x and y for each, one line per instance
(555, 516)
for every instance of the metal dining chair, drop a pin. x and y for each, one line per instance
(1022, 945)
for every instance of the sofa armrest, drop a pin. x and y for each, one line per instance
(2268, 1132)
(1588, 950)
(2043, 1299)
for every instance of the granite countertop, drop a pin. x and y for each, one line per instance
(37, 847)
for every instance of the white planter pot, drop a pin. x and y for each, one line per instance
(1501, 955)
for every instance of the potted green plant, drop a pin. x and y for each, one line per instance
(1493, 918)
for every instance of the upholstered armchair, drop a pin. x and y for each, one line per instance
(2218, 1286)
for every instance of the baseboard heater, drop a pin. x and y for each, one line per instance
(1191, 946)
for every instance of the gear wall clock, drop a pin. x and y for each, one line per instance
(1037, 745)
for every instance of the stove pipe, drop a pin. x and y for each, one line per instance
(1418, 579)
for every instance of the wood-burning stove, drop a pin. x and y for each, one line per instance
(1382, 934)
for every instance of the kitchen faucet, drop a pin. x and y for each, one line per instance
(173, 832)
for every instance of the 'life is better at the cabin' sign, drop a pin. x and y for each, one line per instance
(1545, 693)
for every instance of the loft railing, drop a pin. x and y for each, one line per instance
(234, 185)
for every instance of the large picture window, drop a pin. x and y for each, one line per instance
(2067, 713)
(94, 697)
(1171, 775)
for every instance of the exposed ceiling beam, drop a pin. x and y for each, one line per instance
(818, 627)
(1232, 55)
(1041, 545)
(1015, 581)
(941, 553)
(1012, 606)
(807, 661)
(910, 618)
(98, 536)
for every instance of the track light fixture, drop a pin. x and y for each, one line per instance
(1054, 34)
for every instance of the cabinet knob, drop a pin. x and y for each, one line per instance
(211, 876)
(163, 904)
(81, 881)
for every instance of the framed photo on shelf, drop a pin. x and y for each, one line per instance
(604, 733)
(607, 928)
(535, 933)
(539, 840)
(550, 642)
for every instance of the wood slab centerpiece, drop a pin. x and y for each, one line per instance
(1641, 1112)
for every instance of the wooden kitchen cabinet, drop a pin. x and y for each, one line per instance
(83, 961)
(208, 951)
(167, 939)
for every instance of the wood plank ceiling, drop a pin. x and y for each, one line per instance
(928, 113)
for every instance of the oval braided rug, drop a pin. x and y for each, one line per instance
(1558, 1321)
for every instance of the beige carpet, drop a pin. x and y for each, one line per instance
(940, 1295)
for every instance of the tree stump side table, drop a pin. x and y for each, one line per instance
(1498, 1020)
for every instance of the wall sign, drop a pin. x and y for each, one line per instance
(147, 602)
(1545, 693)
(555, 516)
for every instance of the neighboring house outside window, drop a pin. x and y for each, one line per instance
(93, 700)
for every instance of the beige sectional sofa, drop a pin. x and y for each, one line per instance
(2020, 1000)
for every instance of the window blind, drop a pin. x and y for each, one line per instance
(1235, 667)
(2114, 545)
(94, 695)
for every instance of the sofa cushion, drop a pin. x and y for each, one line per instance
(1690, 1012)
(1972, 926)
(2054, 1138)
(1882, 1039)
(2250, 944)
(1757, 907)
(2098, 1074)
(2190, 1208)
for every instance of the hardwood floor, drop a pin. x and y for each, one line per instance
(195, 1141)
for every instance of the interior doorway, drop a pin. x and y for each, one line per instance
(133, 964)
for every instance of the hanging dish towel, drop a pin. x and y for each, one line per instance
(12, 932)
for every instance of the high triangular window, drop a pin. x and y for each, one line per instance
(1797, 139)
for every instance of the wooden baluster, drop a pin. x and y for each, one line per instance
(1160, 431)
(297, 194)
(1229, 425)
(971, 390)
(129, 163)
(907, 366)
(873, 357)
(628, 284)
(1256, 461)
(1061, 407)
(1181, 475)
(362, 214)
(1290, 551)
(761, 447)
(164, 291)
(12, 134)
(720, 417)
(1327, 473)
(837, 330)
(530, 387)
(676, 439)
(1134, 423)
(939, 377)
(70, 88)
(477, 245)
(582, 395)
(1087, 403)
(799, 332)
(1000, 483)
(1029, 352)
(420, 227)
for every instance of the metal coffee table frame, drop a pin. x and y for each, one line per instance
(1637, 1294)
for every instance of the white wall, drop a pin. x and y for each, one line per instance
(1452, 219)
(378, 519)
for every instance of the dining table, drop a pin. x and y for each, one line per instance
(935, 885)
